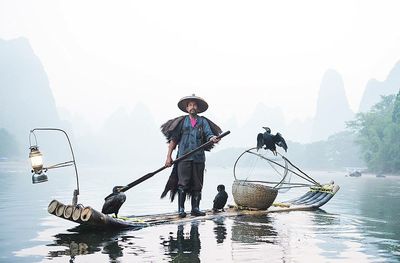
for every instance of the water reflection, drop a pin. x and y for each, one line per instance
(85, 242)
(326, 228)
(251, 229)
(321, 218)
(186, 246)
(220, 230)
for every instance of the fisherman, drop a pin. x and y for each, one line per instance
(188, 132)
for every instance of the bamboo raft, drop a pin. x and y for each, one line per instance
(91, 218)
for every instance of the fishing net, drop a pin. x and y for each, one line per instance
(263, 167)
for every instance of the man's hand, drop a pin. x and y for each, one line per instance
(215, 139)
(168, 162)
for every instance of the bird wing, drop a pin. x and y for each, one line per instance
(280, 141)
(260, 141)
(225, 198)
(108, 206)
(220, 200)
(113, 203)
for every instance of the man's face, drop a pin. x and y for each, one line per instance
(191, 108)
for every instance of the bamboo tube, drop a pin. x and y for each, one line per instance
(312, 197)
(69, 209)
(93, 217)
(87, 214)
(335, 189)
(63, 211)
(301, 198)
(76, 214)
(307, 196)
(316, 199)
(53, 206)
(60, 210)
(323, 200)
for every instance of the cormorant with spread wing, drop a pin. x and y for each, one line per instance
(270, 141)
(114, 202)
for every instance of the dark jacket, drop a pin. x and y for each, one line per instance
(172, 131)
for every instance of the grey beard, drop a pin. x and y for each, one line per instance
(193, 113)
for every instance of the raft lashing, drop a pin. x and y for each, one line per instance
(91, 218)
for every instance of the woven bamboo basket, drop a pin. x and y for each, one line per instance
(255, 196)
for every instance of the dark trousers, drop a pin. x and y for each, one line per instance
(190, 176)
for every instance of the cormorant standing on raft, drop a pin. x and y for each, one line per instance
(114, 202)
(220, 199)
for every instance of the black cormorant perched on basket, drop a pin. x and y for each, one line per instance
(114, 202)
(270, 141)
(220, 199)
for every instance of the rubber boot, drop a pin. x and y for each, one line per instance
(181, 202)
(196, 197)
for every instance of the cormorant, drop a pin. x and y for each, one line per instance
(114, 202)
(220, 199)
(270, 141)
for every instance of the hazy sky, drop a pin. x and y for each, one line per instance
(103, 55)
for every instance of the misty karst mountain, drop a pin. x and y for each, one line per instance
(132, 137)
(333, 109)
(246, 134)
(374, 89)
(332, 112)
(26, 100)
(299, 131)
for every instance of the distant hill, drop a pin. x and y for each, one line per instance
(26, 100)
(299, 131)
(332, 112)
(333, 109)
(263, 116)
(127, 137)
(9, 148)
(375, 88)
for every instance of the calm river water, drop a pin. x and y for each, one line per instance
(360, 224)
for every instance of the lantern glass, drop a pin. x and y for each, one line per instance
(36, 159)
